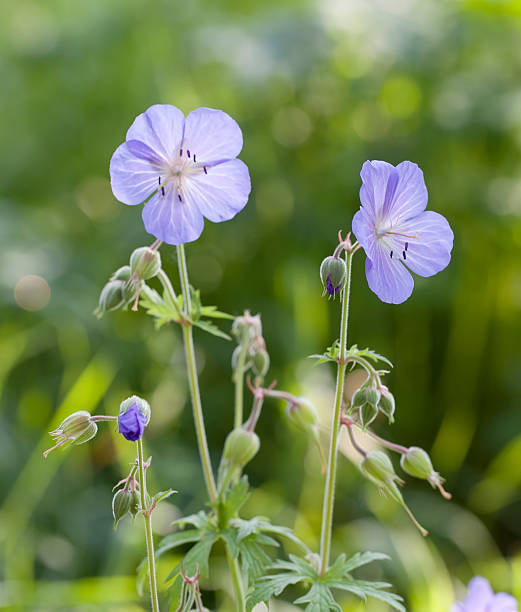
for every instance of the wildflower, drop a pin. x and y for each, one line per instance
(481, 598)
(186, 167)
(396, 231)
(134, 415)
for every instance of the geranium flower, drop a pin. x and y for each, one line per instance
(132, 421)
(481, 598)
(187, 168)
(396, 231)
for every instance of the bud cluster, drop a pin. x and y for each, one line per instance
(126, 500)
(126, 283)
(370, 399)
(251, 347)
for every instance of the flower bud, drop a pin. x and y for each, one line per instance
(386, 403)
(122, 273)
(111, 298)
(130, 290)
(302, 413)
(368, 413)
(235, 358)
(134, 415)
(372, 395)
(261, 362)
(377, 466)
(77, 428)
(135, 503)
(247, 327)
(121, 504)
(333, 273)
(416, 462)
(145, 263)
(359, 397)
(240, 447)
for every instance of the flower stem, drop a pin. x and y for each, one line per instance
(329, 489)
(194, 381)
(238, 378)
(148, 529)
(199, 419)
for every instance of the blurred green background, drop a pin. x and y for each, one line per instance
(318, 87)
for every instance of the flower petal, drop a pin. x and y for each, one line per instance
(160, 127)
(363, 229)
(430, 251)
(170, 220)
(479, 595)
(410, 195)
(388, 278)
(132, 178)
(504, 603)
(392, 193)
(222, 192)
(212, 135)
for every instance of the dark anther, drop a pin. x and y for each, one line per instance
(391, 254)
(406, 245)
(180, 152)
(163, 191)
(194, 158)
(179, 196)
(159, 179)
(204, 168)
(404, 255)
(188, 152)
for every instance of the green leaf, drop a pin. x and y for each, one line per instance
(319, 599)
(213, 313)
(163, 495)
(197, 556)
(364, 589)
(233, 500)
(366, 353)
(177, 539)
(209, 327)
(270, 586)
(199, 520)
(341, 567)
(159, 307)
(330, 354)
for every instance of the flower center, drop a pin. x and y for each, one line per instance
(183, 166)
(397, 243)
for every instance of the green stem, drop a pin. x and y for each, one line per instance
(199, 419)
(239, 386)
(240, 599)
(193, 379)
(148, 529)
(329, 489)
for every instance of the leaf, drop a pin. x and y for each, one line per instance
(341, 567)
(197, 556)
(209, 327)
(199, 520)
(163, 495)
(364, 589)
(161, 308)
(213, 313)
(177, 539)
(233, 500)
(262, 524)
(330, 354)
(366, 353)
(320, 599)
(270, 586)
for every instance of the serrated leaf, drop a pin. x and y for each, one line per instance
(319, 599)
(260, 524)
(234, 499)
(364, 589)
(177, 539)
(270, 586)
(161, 308)
(209, 327)
(367, 353)
(198, 556)
(253, 558)
(199, 520)
(341, 566)
(213, 313)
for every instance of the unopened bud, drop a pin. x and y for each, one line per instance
(302, 413)
(145, 263)
(130, 290)
(77, 428)
(240, 447)
(368, 413)
(235, 358)
(386, 403)
(333, 274)
(122, 273)
(373, 395)
(261, 362)
(121, 504)
(111, 297)
(377, 466)
(247, 327)
(135, 503)
(134, 415)
(417, 463)
(359, 397)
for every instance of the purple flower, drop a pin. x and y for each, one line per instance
(187, 166)
(132, 422)
(396, 231)
(481, 598)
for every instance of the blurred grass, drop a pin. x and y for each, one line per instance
(317, 87)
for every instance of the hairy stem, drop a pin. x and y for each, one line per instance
(194, 381)
(329, 489)
(148, 529)
(199, 419)
(238, 379)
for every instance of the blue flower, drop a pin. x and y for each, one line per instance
(481, 598)
(132, 421)
(396, 231)
(185, 169)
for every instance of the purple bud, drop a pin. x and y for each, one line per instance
(132, 419)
